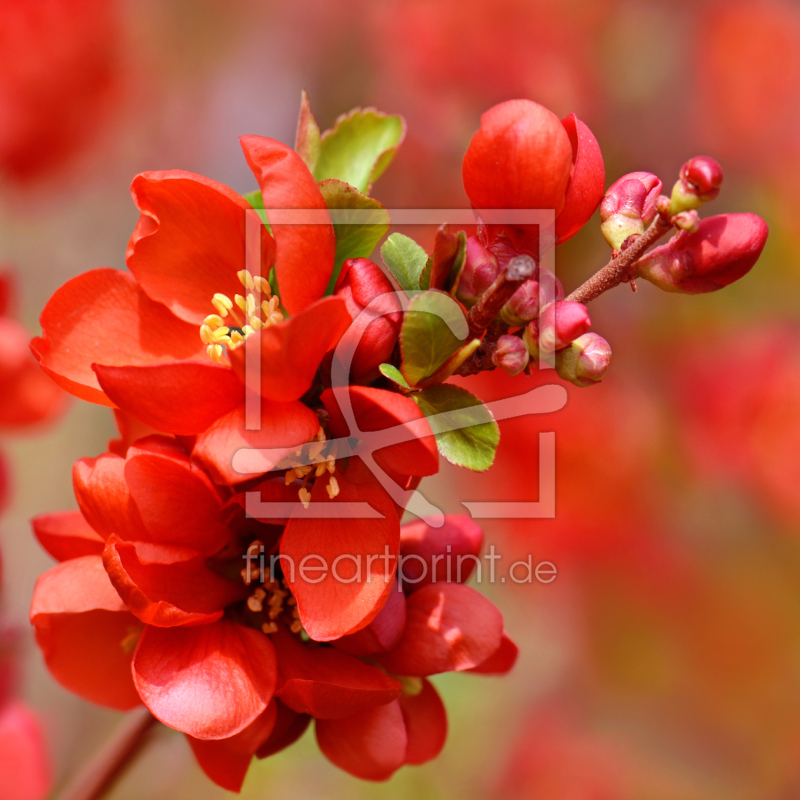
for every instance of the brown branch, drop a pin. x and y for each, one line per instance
(618, 269)
(99, 775)
(518, 270)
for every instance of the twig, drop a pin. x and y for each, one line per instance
(100, 774)
(482, 314)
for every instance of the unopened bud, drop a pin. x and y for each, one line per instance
(523, 306)
(585, 361)
(480, 271)
(629, 207)
(561, 323)
(511, 354)
(687, 221)
(719, 252)
(699, 183)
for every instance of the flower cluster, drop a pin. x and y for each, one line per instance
(235, 562)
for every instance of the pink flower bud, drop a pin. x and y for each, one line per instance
(480, 271)
(700, 180)
(561, 323)
(511, 354)
(360, 282)
(523, 306)
(722, 250)
(585, 361)
(629, 206)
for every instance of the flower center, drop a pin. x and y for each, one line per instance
(271, 600)
(311, 462)
(251, 312)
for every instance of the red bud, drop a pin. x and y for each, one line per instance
(722, 250)
(479, 273)
(511, 354)
(699, 183)
(629, 206)
(585, 361)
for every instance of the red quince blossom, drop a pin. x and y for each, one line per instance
(524, 157)
(59, 68)
(150, 344)
(150, 604)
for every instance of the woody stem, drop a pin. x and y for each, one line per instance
(619, 268)
(99, 775)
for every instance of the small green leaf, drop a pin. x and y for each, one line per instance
(469, 436)
(434, 328)
(393, 374)
(257, 202)
(405, 260)
(308, 142)
(357, 233)
(359, 147)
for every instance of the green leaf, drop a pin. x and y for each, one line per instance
(393, 374)
(474, 442)
(359, 147)
(405, 260)
(257, 202)
(308, 142)
(357, 233)
(434, 328)
(452, 364)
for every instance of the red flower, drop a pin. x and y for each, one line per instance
(149, 606)
(147, 343)
(524, 157)
(58, 71)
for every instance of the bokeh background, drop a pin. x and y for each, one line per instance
(664, 661)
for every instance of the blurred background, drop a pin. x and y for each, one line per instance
(664, 661)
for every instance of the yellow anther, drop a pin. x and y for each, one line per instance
(331, 464)
(256, 323)
(332, 488)
(296, 626)
(213, 321)
(321, 437)
(250, 305)
(247, 330)
(247, 574)
(305, 497)
(289, 477)
(262, 285)
(245, 278)
(269, 627)
(205, 334)
(254, 604)
(240, 301)
(320, 470)
(220, 336)
(222, 303)
(236, 337)
(216, 351)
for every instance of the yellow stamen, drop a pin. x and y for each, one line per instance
(245, 278)
(332, 488)
(305, 497)
(222, 303)
(236, 338)
(250, 305)
(262, 285)
(256, 323)
(247, 330)
(213, 321)
(270, 627)
(296, 626)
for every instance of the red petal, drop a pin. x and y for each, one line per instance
(210, 681)
(383, 633)
(426, 724)
(286, 356)
(377, 410)
(67, 534)
(103, 317)
(585, 190)
(289, 727)
(166, 586)
(178, 505)
(325, 683)
(284, 427)
(104, 497)
(25, 771)
(502, 660)
(448, 627)
(189, 242)
(447, 553)
(226, 761)
(305, 253)
(330, 608)
(83, 629)
(370, 745)
(184, 397)
(130, 429)
(29, 395)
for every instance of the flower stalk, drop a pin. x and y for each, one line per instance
(101, 773)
